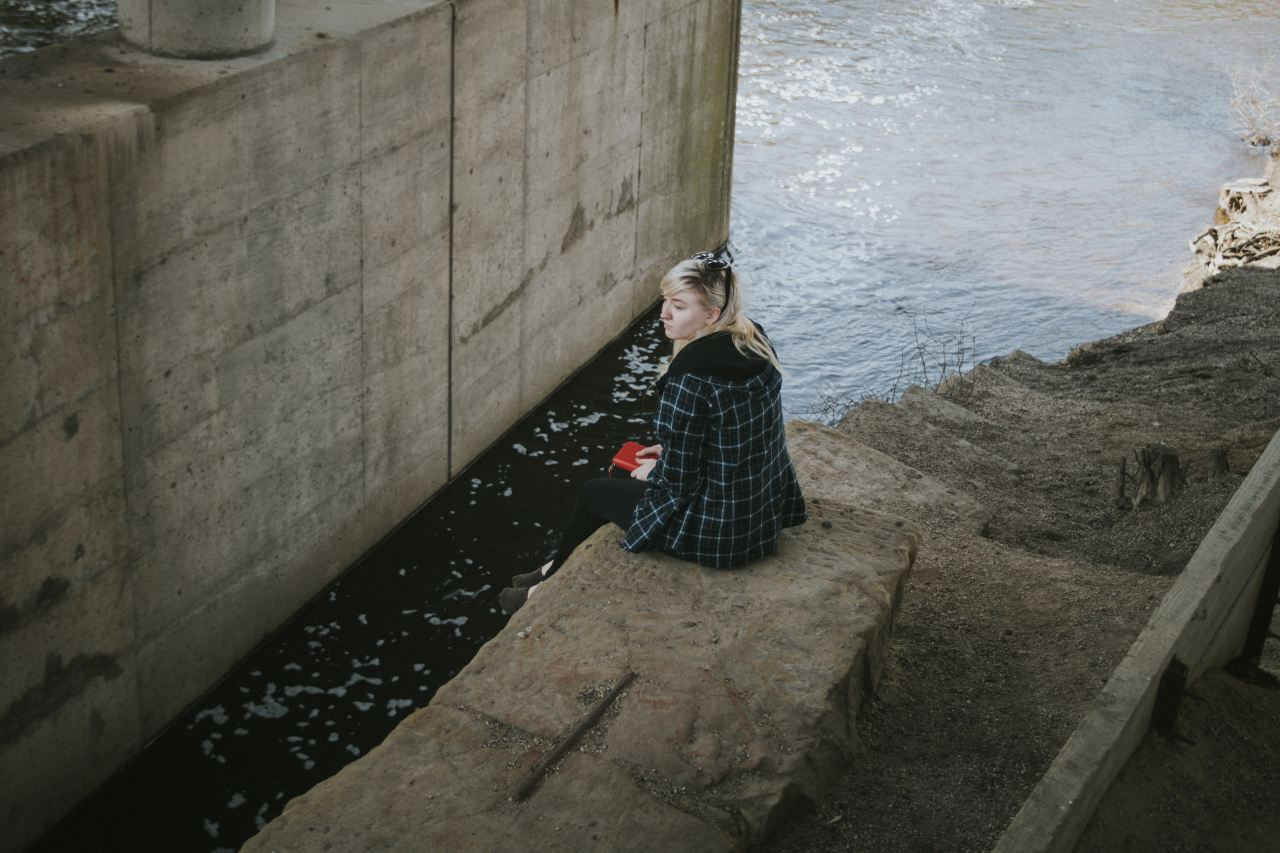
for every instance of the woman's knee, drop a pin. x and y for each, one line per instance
(592, 492)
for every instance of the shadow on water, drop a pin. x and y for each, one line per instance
(381, 639)
(26, 25)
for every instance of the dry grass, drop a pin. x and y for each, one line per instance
(1256, 102)
(934, 357)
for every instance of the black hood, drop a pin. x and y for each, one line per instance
(715, 355)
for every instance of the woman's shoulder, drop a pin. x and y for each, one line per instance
(685, 384)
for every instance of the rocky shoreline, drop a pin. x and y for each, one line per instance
(1003, 641)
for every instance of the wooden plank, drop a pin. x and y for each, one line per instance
(1228, 643)
(1225, 564)
(1200, 621)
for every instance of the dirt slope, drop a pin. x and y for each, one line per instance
(1002, 642)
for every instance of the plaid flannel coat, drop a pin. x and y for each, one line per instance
(724, 487)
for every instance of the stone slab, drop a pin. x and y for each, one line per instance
(454, 772)
(936, 409)
(745, 705)
(833, 465)
(907, 434)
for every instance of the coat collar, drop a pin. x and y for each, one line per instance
(715, 355)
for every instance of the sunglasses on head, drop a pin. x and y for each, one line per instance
(712, 260)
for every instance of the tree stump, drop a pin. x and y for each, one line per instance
(1157, 474)
(1242, 200)
(1218, 467)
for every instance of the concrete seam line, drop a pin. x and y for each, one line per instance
(1059, 807)
(635, 243)
(364, 343)
(453, 123)
(112, 157)
(526, 277)
(730, 121)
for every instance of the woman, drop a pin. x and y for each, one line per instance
(718, 487)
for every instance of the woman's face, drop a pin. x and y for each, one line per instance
(685, 317)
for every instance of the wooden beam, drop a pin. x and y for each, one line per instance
(1203, 620)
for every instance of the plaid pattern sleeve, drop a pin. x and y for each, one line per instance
(681, 425)
(724, 486)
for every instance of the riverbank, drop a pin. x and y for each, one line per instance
(1002, 643)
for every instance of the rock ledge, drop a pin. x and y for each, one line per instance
(745, 702)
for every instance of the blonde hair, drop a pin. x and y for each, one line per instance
(722, 289)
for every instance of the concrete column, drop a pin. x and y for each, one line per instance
(198, 29)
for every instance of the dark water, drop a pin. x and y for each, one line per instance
(380, 640)
(28, 24)
(1026, 172)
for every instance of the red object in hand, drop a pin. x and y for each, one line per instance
(625, 458)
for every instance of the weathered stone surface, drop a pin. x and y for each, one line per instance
(830, 464)
(906, 434)
(748, 686)
(443, 779)
(937, 410)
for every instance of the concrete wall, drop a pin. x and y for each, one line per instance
(244, 335)
(602, 162)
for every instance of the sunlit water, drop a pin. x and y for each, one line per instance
(1030, 171)
(1027, 172)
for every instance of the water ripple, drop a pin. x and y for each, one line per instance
(1035, 167)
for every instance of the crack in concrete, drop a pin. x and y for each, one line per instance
(498, 310)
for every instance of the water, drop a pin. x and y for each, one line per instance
(28, 24)
(1028, 173)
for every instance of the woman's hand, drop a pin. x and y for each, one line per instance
(642, 473)
(650, 454)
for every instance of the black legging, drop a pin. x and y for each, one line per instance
(600, 500)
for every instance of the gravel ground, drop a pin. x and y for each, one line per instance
(1002, 643)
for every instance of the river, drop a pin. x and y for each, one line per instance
(1019, 174)
(907, 176)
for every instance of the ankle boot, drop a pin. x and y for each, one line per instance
(512, 599)
(528, 579)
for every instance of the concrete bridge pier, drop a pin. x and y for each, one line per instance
(198, 29)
